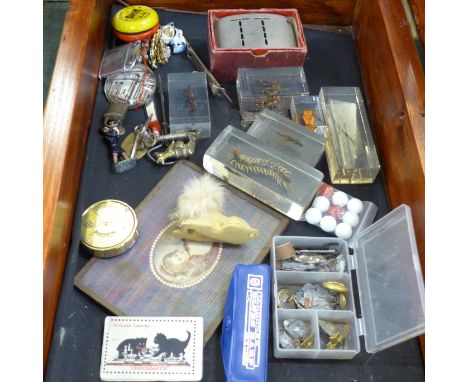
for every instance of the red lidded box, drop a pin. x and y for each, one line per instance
(224, 61)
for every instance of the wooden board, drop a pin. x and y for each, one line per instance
(130, 285)
(67, 117)
(394, 84)
(329, 12)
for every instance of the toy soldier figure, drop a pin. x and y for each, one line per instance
(111, 134)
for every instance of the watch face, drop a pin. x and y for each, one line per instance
(134, 87)
(109, 226)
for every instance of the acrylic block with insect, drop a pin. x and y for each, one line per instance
(189, 108)
(268, 88)
(351, 151)
(262, 172)
(288, 137)
(307, 112)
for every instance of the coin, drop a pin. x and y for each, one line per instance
(286, 298)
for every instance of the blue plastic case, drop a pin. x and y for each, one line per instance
(244, 339)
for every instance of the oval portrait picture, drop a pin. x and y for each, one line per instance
(181, 263)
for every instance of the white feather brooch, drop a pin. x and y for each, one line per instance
(200, 197)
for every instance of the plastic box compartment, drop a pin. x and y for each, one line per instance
(389, 281)
(309, 104)
(288, 137)
(224, 62)
(351, 152)
(262, 172)
(268, 88)
(189, 108)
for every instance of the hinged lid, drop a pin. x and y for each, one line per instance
(391, 287)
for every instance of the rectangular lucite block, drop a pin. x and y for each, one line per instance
(189, 108)
(268, 88)
(288, 137)
(307, 112)
(350, 150)
(262, 172)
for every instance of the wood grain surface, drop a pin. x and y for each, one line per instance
(67, 117)
(329, 12)
(394, 83)
(418, 10)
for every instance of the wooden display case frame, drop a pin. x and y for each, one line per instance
(391, 70)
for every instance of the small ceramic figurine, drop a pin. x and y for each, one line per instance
(111, 134)
(174, 37)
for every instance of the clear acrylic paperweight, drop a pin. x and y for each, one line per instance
(268, 88)
(189, 108)
(351, 152)
(288, 137)
(262, 172)
(307, 112)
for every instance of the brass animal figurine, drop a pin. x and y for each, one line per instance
(178, 149)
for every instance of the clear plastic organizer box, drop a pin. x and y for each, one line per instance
(268, 88)
(351, 152)
(389, 282)
(189, 108)
(288, 137)
(262, 172)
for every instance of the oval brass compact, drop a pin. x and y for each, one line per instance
(108, 228)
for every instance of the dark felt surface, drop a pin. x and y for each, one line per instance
(77, 339)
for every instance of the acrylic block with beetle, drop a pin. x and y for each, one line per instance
(189, 108)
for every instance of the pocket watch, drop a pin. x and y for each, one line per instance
(108, 228)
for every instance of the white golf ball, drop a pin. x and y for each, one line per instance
(339, 198)
(351, 218)
(343, 231)
(322, 203)
(313, 216)
(354, 205)
(328, 223)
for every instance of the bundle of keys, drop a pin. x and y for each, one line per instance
(313, 259)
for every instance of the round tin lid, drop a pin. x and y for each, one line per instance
(135, 19)
(108, 228)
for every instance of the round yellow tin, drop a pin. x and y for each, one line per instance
(135, 19)
(108, 228)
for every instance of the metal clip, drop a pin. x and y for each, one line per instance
(216, 88)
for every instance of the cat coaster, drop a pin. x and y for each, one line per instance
(152, 349)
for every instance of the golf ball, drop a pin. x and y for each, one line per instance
(322, 203)
(313, 216)
(328, 223)
(354, 205)
(339, 198)
(343, 231)
(351, 218)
